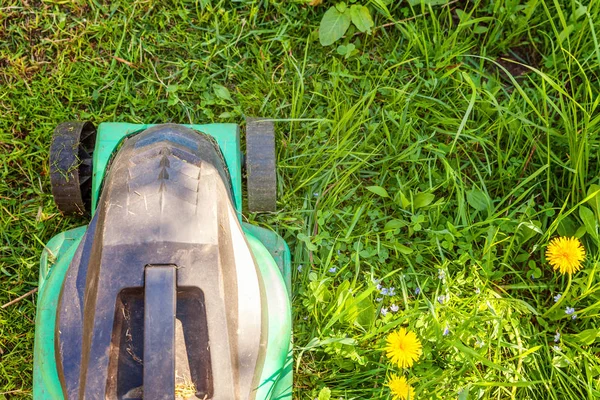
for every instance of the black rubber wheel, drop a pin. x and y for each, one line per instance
(71, 166)
(260, 165)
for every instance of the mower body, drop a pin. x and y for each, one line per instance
(166, 291)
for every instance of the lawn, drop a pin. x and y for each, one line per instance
(424, 167)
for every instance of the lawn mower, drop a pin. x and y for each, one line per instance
(166, 293)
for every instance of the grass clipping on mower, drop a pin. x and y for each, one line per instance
(185, 390)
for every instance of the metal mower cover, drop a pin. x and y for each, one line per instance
(165, 291)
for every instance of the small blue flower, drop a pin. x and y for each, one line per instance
(441, 299)
(332, 270)
(446, 331)
(394, 308)
(384, 311)
(378, 286)
(384, 291)
(556, 337)
(569, 311)
(379, 299)
(441, 274)
(391, 291)
(557, 298)
(557, 348)
(417, 291)
(300, 268)
(316, 194)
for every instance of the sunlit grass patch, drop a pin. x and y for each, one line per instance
(421, 177)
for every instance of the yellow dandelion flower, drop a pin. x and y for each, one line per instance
(565, 254)
(400, 388)
(403, 348)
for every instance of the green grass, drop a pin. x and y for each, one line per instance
(416, 154)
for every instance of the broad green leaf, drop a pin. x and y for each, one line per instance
(463, 16)
(173, 99)
(342, 293)
(325, 394)
(222, 92)
(403, 249)
(543, 323)
(346, 51)
(589, 220)
(361, 18)
(333, 26)
(452, 229)
(560, 362)
(478, 199)
(378, 190)
(319, 291)
(349, 50)
(522, 257)
(341, 7)
(581, 10)
(359, 311)
(366, 313)
(594, 202)
(306, 239)
(565, 33)
(404, 200)
(535, 271)
(587, 337)
(423, 200)
(394, 224)
(527, 230)
(566, 227)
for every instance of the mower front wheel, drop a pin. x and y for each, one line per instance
(71, 166)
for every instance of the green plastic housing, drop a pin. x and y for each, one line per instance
(269, 250)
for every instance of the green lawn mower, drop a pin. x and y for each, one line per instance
(166, 293)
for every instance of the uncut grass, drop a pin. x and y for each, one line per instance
(420, 109)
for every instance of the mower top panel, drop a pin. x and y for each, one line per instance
(112, 134)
